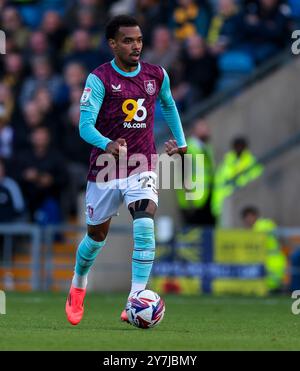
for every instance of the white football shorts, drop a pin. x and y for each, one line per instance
(104, 199)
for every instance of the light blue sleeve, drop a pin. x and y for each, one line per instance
(170, 112)
(90, 104)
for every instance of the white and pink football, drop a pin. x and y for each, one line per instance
(145, 309)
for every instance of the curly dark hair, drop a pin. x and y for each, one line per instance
(115, 23)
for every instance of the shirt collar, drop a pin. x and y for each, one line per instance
(123, 73)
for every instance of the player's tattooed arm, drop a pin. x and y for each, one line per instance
(171, 148)
(116, 147)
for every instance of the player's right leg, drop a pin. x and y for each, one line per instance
(102, 202)
(86, 254)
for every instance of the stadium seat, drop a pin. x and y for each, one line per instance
(234, 66)
(295, 8)
(236, 62)
(31, 15)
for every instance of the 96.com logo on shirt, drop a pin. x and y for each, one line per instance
(136, 114)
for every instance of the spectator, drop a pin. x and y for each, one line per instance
(53, 27)
(203, 65)
(12, 25)
(149, 15)
(265, 30)
(2, 5)
(74, 76)
(31, 119)
(6, 131)
(40, 111)
(13, 72)
(50, 115)
(276, 262)
(38, 45)
(42, 173)
(11, 199)
(33, 115)
(82, 51)
(164, 50)
(43, 100)
(224, 31)
(238, 168)
(43, 76)
(75, 94)
(198, 210)
(180, 88)
(86, 20)
(97, 8)
(189, 19)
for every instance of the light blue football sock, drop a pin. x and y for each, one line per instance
(87, 252)
(144, 250)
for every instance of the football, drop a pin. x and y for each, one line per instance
(145, 309)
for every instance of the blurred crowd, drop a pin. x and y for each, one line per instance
(51, 46)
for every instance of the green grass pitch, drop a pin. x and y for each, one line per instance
(36, 321)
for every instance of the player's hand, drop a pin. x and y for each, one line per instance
(115, 147)
(172, 148)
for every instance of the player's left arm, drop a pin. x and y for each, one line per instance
(171, 115)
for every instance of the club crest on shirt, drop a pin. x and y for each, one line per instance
(90, 211)
(150, 86)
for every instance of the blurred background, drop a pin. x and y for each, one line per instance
(235, 83)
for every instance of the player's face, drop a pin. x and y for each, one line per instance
(127, 45)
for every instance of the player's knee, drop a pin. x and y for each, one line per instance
(142, 209)
(96, 235)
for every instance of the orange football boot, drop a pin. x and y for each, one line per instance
(74, 305)
(124, 316)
